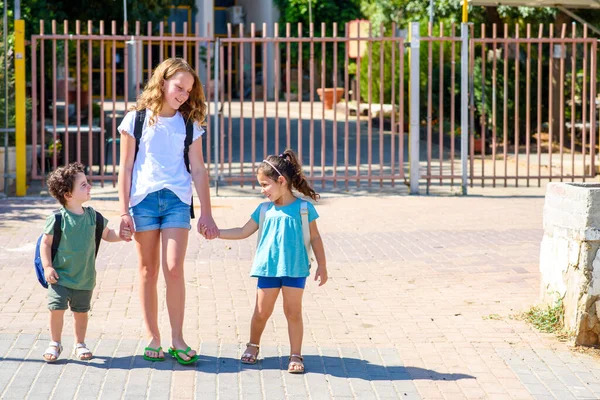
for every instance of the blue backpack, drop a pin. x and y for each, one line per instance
(37, 261)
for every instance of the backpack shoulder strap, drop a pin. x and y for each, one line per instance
(261, 220)
(99, 230)
(189, 138)
(56, 234)
(305, 226)
(138, 126)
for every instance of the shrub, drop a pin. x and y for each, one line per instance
(376, 84)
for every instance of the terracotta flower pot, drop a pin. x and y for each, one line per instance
(478, 145)
(326, 96)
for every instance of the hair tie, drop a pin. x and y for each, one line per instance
(272, 166)
(282, 156)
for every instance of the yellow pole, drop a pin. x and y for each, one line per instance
(20, 125)
(465, 12)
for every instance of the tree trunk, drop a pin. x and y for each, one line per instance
(492, 17)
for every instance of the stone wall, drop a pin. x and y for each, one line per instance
(570, 256)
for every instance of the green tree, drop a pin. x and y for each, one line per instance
(377, 85)
(328, 11)
(404, 11)
(95, 10)
(447, 12)
(323, 11)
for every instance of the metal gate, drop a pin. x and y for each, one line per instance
(351, 101)
(536, 114)
(84, 82)
(341, 140)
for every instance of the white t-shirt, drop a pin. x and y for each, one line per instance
(159, 163)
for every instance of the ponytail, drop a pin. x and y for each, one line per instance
(287, 164)
(298, 180)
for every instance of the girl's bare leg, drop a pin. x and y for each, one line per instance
(292, 308)
(174, 246)
(265, 302)
(147, 244)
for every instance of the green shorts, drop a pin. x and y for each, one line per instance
(60, 297)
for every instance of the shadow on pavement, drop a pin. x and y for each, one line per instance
(17, 210)
(334, 366)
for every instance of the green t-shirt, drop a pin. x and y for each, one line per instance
(75, 261)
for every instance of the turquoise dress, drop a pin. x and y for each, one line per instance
(281, 250)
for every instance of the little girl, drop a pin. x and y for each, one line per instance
(155, 192)
(281, 262)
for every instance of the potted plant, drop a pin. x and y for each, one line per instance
(327, 96)
(478, 144)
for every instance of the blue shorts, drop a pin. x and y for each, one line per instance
(160, 210)
(265, 282)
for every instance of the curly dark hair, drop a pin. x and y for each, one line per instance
(288, 164)
(62, 181)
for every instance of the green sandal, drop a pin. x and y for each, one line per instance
(147, 358)
(175, 353)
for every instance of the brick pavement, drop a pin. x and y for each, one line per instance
(419, 306)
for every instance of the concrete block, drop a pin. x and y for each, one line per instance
(570, 256)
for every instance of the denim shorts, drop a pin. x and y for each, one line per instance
(160, 210)
(267, 282)
(60, 298)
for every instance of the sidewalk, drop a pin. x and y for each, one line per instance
(419, 305)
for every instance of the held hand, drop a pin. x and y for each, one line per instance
(50, 275)
(126, 232)
(321, 275)
(207, 227)
(202, 230)
(126, 229)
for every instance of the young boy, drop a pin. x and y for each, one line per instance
(71, 275)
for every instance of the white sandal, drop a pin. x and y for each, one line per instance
(54, 349)
(292, 365)
(249, 358)
(81, 350)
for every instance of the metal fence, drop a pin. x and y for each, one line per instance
(536, 113)
(373, 110)
(82, 89)
(340, 145)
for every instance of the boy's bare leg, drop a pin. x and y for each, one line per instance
(80, 326)
(56, 319)
(56, 325)
(149, 262)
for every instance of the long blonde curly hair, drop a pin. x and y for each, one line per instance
(194, 109)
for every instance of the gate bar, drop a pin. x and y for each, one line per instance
(464, 103)
(216, 109)
(414, 89)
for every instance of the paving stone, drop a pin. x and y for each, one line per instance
(419, 305)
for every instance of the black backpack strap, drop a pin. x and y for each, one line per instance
(99, 230)
(56, 234)
(140, 117)
(189, 138)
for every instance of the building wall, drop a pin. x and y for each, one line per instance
(204, 16)
(259, 12)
